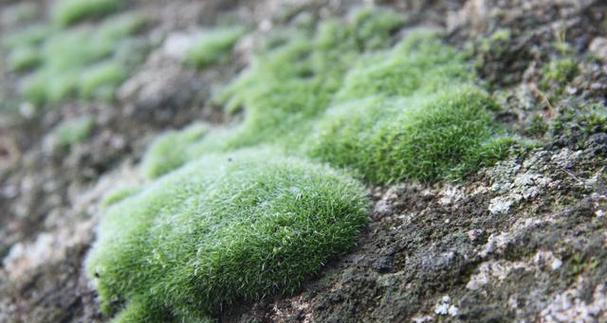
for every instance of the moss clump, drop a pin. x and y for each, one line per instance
(119, 195)
(560, 71)
(213, 46)
(423, 137)
(72, 132)
(78, 63)
(171, 150)
(225, 228)
(100, 81)
(23, 59)
(68, 12)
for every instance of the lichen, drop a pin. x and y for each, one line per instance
(225, 228)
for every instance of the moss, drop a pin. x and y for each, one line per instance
(225, 228)
(68, 12)
(293, 82)
(23, 59)
(171, 150)
(119, 195)
(559, 72)
(72, 132)
(373, 26)
(100, 81)
(423, 137)
(76, 63)
(537, 126)
(405, 112)
(213, 46)
(30, 36)
(498, 42)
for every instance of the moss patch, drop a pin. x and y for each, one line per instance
(78, 63)
(73, 131)
(337, 83)
(213, 46)
(421, 137)
(226, 228)
(67, 12)
(171, 150)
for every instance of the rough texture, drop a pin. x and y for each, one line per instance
(522, 240)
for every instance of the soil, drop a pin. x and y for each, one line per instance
(523, 240)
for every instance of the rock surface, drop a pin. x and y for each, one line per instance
(523, 240)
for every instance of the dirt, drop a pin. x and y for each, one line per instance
(523, 240)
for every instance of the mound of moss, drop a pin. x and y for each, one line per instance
(213, 46)
(425, 137)
(68, 12)
(226, 228)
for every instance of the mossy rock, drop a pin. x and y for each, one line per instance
(226, 228)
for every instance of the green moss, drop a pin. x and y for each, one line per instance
(76, 63)
(404, 112)
(498, 42)
(422, 137)
(72, 132)
(100, 81)
(119, 195)
(560, 71)
(171, 150)
(223, 229)
(373, 26)
(23, 59)
(213, 46)
(30, 36)
(68, 12)
(289, 85)
(537, 126)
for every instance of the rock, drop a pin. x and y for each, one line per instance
(598, 47)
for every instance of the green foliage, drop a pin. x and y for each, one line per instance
(171, 150)
(72, 132)
(213, 46)
(225, 228)
(78, 62)
(68, 12)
